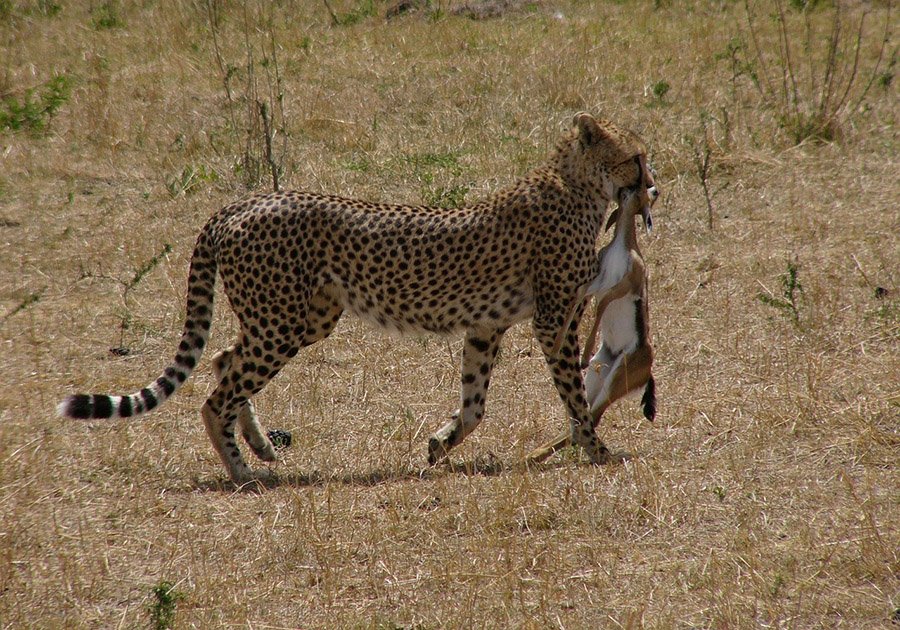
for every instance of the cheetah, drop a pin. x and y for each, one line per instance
(624, 362)
(292, 262)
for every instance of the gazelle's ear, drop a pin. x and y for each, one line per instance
(613, 217)
(589, 132)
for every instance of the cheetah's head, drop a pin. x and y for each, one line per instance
(606, 159)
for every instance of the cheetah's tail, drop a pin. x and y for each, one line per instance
(197, 323)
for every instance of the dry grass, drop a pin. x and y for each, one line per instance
(766, 494)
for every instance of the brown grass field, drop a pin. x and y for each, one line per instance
(765, 495)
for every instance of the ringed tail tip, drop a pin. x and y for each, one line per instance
(85, 406)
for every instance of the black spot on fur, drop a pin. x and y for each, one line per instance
(149, 398)
(103, 407)
(79, 407)
(479, 344)
(166, 385)
(125, 407)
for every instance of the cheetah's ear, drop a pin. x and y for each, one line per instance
(589, 132)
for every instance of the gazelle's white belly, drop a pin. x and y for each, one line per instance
(619, 325)
(620, 338)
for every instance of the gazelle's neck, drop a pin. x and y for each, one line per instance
(626, 230)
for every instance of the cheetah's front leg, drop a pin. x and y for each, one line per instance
(479, 353)
(566, 371)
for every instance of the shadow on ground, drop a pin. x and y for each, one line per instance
(488, 465)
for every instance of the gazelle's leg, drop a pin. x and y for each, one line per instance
(567, 322)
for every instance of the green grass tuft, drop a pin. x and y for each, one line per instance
(35, 111)
(165, 602)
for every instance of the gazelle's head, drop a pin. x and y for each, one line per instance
(640, 195)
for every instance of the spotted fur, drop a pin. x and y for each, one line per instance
(292, 262)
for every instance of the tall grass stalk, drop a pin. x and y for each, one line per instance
(814, 95)
(256, 105)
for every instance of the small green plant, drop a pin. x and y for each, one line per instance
(360, 164)
(36, 110)
(48, 8)
(445, 196)
(106, 16)
(791, 292)
(364, 9)
(162, 608)
(147, 267)
(887, 314)
(255, 109)
(129, 285)
(190, 180)
(801, 5)
(41, 8)
(28, 300)
(701, 150)
(391, 625)
(660, 89)
(735, 54)
(886, 77)
(777, 583)
(425, 165)
(720, 492)
(430, 161)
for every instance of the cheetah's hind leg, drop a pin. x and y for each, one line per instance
(243, 379)
(262, 444)
(478, 357)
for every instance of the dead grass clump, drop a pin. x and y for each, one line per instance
(487, 9)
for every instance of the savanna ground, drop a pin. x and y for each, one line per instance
(766, 494)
